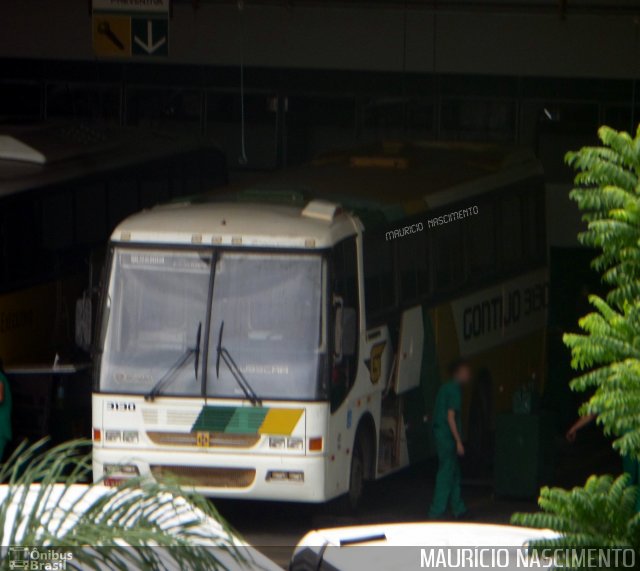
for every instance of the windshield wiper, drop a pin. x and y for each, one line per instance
(196, 351)
(236, 373)
(180, 362)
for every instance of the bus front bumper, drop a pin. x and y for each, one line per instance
(296, 478)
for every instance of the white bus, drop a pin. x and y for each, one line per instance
(64, 187)
(286, 342)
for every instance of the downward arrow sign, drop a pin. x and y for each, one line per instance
(149, 46)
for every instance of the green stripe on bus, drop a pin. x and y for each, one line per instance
(246, 420)
(213, 419)
(230, 419)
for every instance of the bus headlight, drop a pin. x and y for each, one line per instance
(112, 436)
(130, 436)
(277, 442)
(280, 442)
(127, 436)
(295, 443)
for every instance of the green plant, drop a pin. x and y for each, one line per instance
(600, 514)
(612, 347)
(604, 512)
(45, 503)
(608, 193)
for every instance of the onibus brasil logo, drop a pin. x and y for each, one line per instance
(38, 558)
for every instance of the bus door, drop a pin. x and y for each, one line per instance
(403, 379)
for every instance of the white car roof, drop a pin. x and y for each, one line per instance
(432, 534)
(410, 546)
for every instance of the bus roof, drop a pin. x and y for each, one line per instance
(403, 177)
(38, 155)
(379, 183)
(318, 225)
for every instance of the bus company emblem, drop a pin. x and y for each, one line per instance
(203, 439)
(374, 362)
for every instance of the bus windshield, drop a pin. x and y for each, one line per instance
(266, 313)
(271, 307)
(156, 305)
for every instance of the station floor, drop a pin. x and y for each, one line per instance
(275, 528)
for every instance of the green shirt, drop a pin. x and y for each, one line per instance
(449, 398)
(5, 411)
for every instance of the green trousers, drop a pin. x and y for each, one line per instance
(632, 467)
(447, 491)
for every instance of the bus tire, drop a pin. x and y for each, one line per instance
(357, 474)
(352, 500)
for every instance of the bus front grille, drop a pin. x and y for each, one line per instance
(206, 477)
(203, 439)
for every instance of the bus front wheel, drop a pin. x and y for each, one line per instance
(356, 475)
(359, 471)
(351, 501)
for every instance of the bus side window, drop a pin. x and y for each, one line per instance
(534, 231)
(511, 239)
(344, 290)
(449, 256)
(481, 243)
(379, 280)
(411, 252)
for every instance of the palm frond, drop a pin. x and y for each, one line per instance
(141, 524)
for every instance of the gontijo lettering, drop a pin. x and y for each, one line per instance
(504, 310)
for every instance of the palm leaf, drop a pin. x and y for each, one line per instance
(141, 524)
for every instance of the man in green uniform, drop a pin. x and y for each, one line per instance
(447, 431)
(5, 411)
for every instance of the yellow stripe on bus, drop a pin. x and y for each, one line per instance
(280, 421)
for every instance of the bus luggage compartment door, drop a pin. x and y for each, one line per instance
(410, 347)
